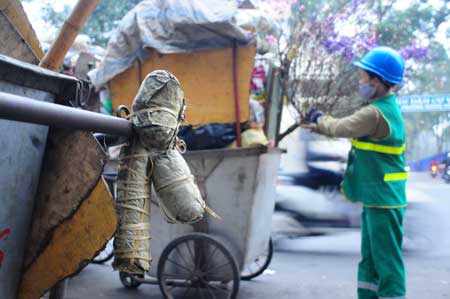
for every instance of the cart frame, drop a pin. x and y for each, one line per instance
(238, 184)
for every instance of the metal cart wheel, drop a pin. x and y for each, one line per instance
(259, 265)
(106, 254)
(198, 266)
(130, 281)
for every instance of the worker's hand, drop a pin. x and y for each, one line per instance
(313, 115)
(312, 127)
(309, 126)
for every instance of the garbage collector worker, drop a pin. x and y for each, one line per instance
(375, 173)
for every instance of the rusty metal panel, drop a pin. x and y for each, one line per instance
(23, 147)
(65, 88)
(13, 11)
(263, 203)
(13, 43)
(68, 176)
(239, 185)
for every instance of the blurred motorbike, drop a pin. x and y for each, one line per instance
(317, 177)
(446, 175)
(310, 203)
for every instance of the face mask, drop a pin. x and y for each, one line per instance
(367, 91)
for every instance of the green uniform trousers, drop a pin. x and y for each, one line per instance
(381, 273)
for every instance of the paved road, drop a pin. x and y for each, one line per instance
(324, 267)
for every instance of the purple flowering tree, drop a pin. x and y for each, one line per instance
(317, 45)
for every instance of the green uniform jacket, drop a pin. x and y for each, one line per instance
(375, 173)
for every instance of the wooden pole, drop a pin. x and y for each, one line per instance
(69, 31)
(237, 107)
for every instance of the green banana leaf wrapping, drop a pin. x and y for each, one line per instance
(158, 110)
(132, 239)
(178, 195)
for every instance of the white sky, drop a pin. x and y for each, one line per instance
(441, 32)
(33, 10)
(46, 32)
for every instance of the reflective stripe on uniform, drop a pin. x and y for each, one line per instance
(367, 286)
(385, 207)
(373, 147)
(395, 176)
(400, 297)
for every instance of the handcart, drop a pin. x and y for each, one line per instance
(207, 259)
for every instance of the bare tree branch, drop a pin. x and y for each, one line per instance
(288, 131)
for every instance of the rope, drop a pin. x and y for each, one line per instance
(135, 197)
(134, 237)
(133, 189)
(133, 208)
(151, 110)
(180, 179)
(136, 226)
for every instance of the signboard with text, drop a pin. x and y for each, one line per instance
(424, 103)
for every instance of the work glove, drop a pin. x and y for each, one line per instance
(313, 114)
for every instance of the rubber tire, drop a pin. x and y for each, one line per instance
(103, 260)
(263, 267)
(132, 284)
(97, 260)
(199, 236)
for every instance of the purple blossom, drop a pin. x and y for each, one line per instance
(329, 27)
(348, 47)
(356, 4)
(415, 52)
(271, 39)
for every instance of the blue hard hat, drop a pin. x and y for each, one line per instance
(385, 62)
